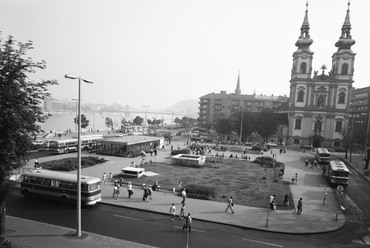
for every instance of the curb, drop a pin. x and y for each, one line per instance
(226, 224)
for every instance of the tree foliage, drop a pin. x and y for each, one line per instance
(109, 122)
(84, 121)
(185, 121)
(20, 110)
(138, 120)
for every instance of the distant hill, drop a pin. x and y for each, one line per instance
(186, 106)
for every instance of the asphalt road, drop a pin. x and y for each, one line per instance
(158, 230)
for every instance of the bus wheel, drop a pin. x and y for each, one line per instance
(63, 200)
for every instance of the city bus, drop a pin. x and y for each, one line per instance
(61, 186)
(322, 155)
(338, 173)
(88, 142)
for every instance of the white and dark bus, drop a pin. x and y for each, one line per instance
(88, 142)
(322, 155)
(338, 173)
(61, 186)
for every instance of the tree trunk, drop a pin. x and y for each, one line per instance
(2, 218)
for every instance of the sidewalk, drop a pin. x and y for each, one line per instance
(316, 217)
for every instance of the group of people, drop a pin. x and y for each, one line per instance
(182, 215)
(147, 189)
(286, 203)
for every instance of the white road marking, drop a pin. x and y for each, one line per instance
(196, 230)
(125, 217)
(264, 243)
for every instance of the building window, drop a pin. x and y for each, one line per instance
(298, 123)
(342, 97)
(300, 96)
(338, 126)
(303, 67)
(345, 69)
(296, 141)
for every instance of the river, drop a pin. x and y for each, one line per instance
(63, 121)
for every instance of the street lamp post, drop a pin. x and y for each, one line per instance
(78, 228)
(76, 114)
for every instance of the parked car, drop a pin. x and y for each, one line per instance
(271, 144)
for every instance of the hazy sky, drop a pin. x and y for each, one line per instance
(158, 52)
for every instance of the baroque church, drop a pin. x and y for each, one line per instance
(319, 104)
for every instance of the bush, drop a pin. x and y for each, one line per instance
(200, 192)
(181, 151)
(70, 164)
(269, 161)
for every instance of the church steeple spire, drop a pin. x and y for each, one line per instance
(304, 40)
(345, 40)
(237, 89)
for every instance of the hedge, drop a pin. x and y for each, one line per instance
(70, 164)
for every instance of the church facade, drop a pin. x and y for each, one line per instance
(319, 103)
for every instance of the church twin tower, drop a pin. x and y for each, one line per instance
(319, 104)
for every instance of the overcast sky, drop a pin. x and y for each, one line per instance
(159, 52)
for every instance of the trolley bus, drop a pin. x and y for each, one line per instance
(88, 142)
(338, 173)
(61, 186)
(322, 155)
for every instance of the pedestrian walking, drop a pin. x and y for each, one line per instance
(230, 204)
(296, 177)
(272, 199)
(299, 206)
(104, 177)
(121, 182)
(150, 191)
(188, 222)
(286, 200)
(145, 193)
(183, 194)
(306, 163)
(36, 163)
(129, 189)
(115, 192)
(173, 211)
(182, 211)
(110, 176)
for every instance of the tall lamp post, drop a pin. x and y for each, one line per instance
(76, 114)
(78, 228)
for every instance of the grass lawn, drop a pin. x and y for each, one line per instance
(244, 183)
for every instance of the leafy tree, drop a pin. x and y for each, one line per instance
(20, 111)
(138, 120)
(84, 121)
(225, 127)
(267, 123)
(168, 136)
(255, 137)
(109, 122)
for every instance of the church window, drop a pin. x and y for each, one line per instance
(341, 97)
(338, 126)
(320, 101)
(303, 67)
(318, 126)
(296, 141)
(298, 124)
(300, 96)
(345, 69)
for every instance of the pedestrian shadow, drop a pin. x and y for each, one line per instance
(314, 180)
